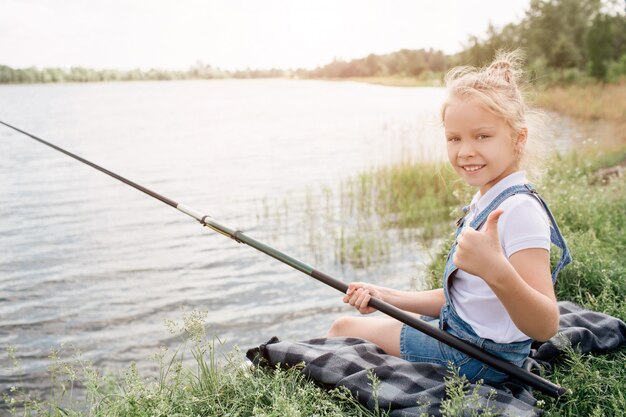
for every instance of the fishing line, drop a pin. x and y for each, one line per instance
(515, 372)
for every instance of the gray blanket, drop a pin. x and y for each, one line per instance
(411, 389)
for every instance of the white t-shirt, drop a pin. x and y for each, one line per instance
(523, 225)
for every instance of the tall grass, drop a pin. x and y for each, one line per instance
(407, 196)
(594, 101)
(417, 200)
(225, 387)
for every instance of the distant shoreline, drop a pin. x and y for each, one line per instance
(390, 81)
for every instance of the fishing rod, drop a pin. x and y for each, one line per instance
(468, 348)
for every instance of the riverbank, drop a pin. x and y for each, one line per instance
(592, 216)
(592, 101)
(393, 81)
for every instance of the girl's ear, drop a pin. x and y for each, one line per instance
(522, 136)
(519, 143)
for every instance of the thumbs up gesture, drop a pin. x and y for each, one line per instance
(479, 252)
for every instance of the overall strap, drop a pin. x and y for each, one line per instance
(555, 234)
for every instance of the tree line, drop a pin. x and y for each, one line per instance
(10, 75)
(565, 41)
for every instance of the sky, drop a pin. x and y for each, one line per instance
(235, 34)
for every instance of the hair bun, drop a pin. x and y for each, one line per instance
(502, 68)
(507, 65)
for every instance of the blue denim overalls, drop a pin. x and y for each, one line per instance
(450, 321)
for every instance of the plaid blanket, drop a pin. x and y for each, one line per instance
(411, 389)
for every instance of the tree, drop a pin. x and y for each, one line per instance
(599, 44)
(556, 29)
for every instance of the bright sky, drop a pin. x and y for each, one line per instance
(235, 34)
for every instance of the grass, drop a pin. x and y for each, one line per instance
(597, 383)
(406, 196)
(588, 101)
(234, 388)
(230, 388)
(592, 218)
(416, 200)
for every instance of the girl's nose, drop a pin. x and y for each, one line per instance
(466, 149)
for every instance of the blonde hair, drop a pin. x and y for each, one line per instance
(499, 87)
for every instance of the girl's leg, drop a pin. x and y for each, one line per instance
(382, 331)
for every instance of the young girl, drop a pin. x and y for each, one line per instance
(498, 288)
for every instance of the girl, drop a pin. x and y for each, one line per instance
(497, 285)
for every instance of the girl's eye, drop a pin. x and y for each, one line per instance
(453, 139)
(482, 136)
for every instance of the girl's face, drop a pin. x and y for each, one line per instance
(480, 145)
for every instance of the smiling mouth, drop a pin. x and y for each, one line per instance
(472, 168)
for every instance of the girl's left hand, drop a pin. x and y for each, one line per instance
(479, 252)
(359, 294)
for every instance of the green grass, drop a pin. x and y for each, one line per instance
(592, 218)
(417, 199)
(229, 387)
(404, 196)
(408, 194)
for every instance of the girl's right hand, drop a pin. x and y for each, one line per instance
(359, 295)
